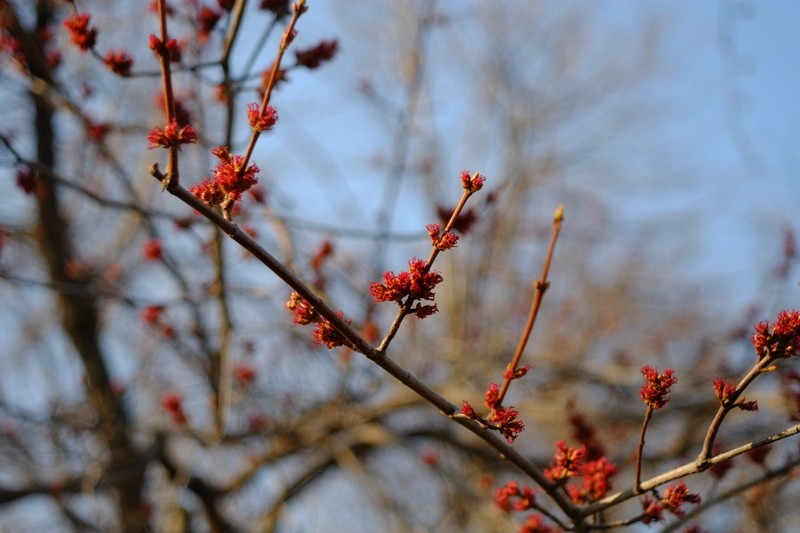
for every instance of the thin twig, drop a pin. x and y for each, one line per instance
(541, 287)
(648, 414)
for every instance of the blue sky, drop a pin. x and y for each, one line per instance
(730, 152)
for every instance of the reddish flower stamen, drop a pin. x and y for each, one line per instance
(171, 136)
(655, 391)
(81, 33)
(261, 121)
(119, 62)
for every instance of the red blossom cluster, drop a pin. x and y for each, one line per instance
(230, 174)
(172, 135)
(535, 524)
(726, 392)
(81, 34)
(512, 373)
(257, 422)
(172, 402)
(151, 250)
(207, 19)
(512, 497)
(230, 179)
(304, 313)
(567, 462)
(97, 132)
(781, 339)
(324, 332)
(441, 241)
(502, 419)
(417, 283)
(586, 434)
(12, 46)
(430, 458)
(27, 179)
(596, 476)
(472, 182)
(244, 374)
(152, 314)
(261, 120)
(119, 62)
(675, 496)
(673, 499)
(170, 49)
(312, 58)
(655, 391)
(322, 254)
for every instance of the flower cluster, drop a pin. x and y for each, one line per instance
(230, 179)
(172, 135)
(781, 339)
(506, 422)
(586, 434)
(676, 496)
(119, 62)
(304, 314)
(441, 241)
(503, 419)
(153, 316)
(673, 499)
(230, 174)
(172, 402)
(534, 524)
(170, 49)
(11, 44)
(726, 392)
(567, 462)
(27, 179)
(151, 250)
(596, 476)
(207, 19)
(261, 121)
(244, 374)
(417, 283)
(97, 132)
(512, 497)
(80, 32)
(314, 57)
(516, 373)
(472, 182)
(324, 332)
(655, 391)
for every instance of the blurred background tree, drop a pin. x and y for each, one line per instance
(134, 330)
